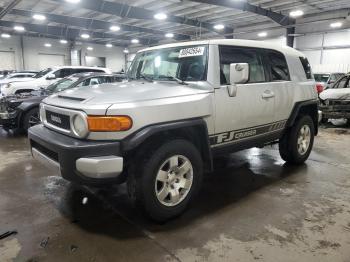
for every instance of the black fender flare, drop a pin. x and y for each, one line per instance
(23, 109)
(137, 138)
(299, 108)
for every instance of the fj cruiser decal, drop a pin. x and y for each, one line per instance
(193, 51)
(236, 135)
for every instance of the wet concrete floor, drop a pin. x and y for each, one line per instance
(252, 208)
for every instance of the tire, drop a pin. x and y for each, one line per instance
(289, 149)
(31, 118)
(152, 183)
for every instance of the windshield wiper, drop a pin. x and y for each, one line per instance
(180, 81)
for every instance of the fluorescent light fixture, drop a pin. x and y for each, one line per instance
(160, 16)
(336, 24)
(135, 41)
(63, 41)
(296, 13)
(109, 45)
(169, 35)
(126, 51)
(114, 28)
(262, 34)
(4, 35)
(72, 1)
(85, 36)
(90, 48)
(47, 45)
(219, 27)
(19, 28)
(39, 17)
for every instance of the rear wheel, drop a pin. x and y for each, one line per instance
(167, 181)
(31, 118)
(296, 144)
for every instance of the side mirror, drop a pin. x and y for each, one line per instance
(50, 77)
(239, 73)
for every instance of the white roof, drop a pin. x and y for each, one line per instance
(234, 42)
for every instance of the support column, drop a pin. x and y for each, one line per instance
(290, 38)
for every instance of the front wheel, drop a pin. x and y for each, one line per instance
(167, 181)
(296, 144)
(31, 118)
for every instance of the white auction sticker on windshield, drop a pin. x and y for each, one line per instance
(193, 51)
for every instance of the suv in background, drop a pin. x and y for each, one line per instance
(184, 104)
(46, 77)
(21, 111)
(326, 80)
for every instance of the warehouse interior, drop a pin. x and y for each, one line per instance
(252, 205)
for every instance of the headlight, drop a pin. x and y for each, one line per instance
(6, 85)
(80, 127)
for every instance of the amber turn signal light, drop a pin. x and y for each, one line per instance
(109, 123)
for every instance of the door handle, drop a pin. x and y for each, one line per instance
(268, 94)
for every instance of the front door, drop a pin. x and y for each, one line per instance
(250, 112)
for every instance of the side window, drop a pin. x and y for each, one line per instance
(63, 73)
(278, 66)
(94, 81)
(307, 68)
(342, 83)
(230, 55)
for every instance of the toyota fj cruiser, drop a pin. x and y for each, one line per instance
(183, 104)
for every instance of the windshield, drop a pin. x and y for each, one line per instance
(42, 73)
(62, 85)
(184, 63)
(321, 77)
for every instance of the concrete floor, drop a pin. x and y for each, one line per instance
(255, 208)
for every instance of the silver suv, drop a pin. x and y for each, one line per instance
(183, 104)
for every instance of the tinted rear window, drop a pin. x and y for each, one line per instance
(307, 67)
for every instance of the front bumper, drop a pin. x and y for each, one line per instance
(79, 161)
(335, 111)
(9, 119)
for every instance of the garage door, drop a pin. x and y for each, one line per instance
(49, 60)
(7, 60)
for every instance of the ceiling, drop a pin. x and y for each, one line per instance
(151, 31)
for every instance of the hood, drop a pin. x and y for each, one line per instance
(12, 80)
(335, 93)
(134, 91)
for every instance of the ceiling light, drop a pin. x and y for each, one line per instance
(109, 45)
(135, 41)
(336, 24)
(85, 36)
(39, 17)
(63, 41)
(90, 48)
(47, 45)
(169, 35)
(126, 51)
(72, 1)
(114, 28)
(160, 16)
(19, 28)
(262, 34)
(4, 35)
(296, 13)
(219, 27)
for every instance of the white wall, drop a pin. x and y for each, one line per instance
(33, 46)
(327, 52)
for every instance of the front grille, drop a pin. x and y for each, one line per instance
(59, 120)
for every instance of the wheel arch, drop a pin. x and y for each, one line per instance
(193, 130)
(305, 108)
(23, 109)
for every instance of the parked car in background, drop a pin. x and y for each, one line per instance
(335, 101)
(326, 80)
(16, 77)
(22, 111)
(46, 77)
